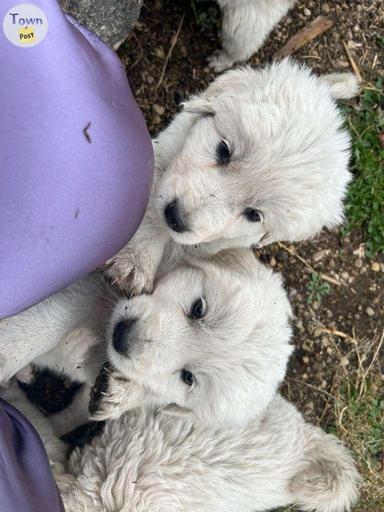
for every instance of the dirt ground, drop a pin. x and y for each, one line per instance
(336, 290)
(339, 320)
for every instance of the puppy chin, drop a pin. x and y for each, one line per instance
(187, 238)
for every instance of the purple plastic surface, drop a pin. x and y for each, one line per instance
(76, 160)
(26, 481)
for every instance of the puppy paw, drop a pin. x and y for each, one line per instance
(327, 485)
(112, 395)
(220, 61)
(126, 273)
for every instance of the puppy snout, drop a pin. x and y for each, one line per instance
(120, 337)
(174, 218)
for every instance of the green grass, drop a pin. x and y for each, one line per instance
(205, 16)
(365, 201)
(317, 288)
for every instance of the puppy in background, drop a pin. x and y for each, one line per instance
(246, 25)
(197, 365)
(261, 156)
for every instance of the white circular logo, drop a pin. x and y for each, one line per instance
(25, 25)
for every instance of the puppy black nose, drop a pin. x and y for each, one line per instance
(173, 217)
(120, 337)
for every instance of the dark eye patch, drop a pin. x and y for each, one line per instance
(223, 153)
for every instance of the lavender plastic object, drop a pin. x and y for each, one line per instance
(76, 160)
(26, 481)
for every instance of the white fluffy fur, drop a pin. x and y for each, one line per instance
(239, 350)
(289, 161)
(34, 332)
(229, 442)
(246, 25)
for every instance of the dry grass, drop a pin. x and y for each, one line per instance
(358, 410)
(354, 411)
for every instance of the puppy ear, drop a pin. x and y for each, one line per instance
(177, 410)
(343, 86)
(232, 82)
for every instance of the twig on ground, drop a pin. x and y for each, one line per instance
(169, 54)
(339, 334)
(304, 36)
(318, 390)
(352, 62)
(323, 276)
(375, 355)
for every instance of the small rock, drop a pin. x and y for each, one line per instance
(305, 359)
(159, 52)
(307, 12)
(356, 28)
(375, 267)
(358, 263)
(370, 311)
(310, 406)
(315, 305)
(345, 276)
(344, 361)
(342, 63)
(272, 261)
(325, 8)
(159, 109)
(156, 119)
(319, 255)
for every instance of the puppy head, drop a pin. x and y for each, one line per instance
(265, 160)
(212, 339)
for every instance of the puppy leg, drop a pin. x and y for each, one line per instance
(328, 480)
(34, 332)
(133, 269)
(246, 24)
(343, 86)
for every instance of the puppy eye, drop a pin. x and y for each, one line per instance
(187, 377)
(223, 153)
(253, 215)
(198, 309)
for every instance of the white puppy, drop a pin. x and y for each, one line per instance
(210, 338)
(260, 157)
(246, 25)
(210, 347)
